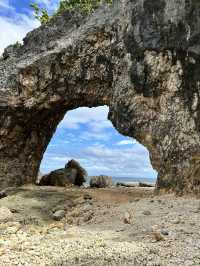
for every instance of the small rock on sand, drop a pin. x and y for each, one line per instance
(87, 197)
(127, 218)
(3, 194)
(157, 236)
(164, 232)
(58, 215)
(5, 214)
(146, 212)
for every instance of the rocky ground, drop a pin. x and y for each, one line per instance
(117, 226)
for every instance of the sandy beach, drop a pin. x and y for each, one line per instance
(112, 226)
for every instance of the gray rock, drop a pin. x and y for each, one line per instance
(72, 174)
(58, 215)
(101, 181)
(54, 178)
(3, 194)
(75, 173)
(164, 232)
(147, 212)
(87, 197)
(176, 221)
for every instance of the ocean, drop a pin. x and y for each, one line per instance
(130, 179)
(134, 179)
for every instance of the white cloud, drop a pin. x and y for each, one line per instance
(49, 4)
(5, 4)
(89, 135)
(133, 162)
(95, 118)
(126, 142)
(101, 159)
(15, 29)
(94, 151)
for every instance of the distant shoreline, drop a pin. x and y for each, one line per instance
(130, 179)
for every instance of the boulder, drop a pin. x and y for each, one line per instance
(101, 181)
(75, 173)
(54, 178)
(72, 174)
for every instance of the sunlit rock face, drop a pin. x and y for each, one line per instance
(141, 58)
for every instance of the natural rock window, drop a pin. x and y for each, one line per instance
(86, 135)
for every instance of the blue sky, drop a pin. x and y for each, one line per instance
(85, 134)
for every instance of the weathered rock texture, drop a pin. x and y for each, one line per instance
(72, 174)
(140, 57)
(101, 181)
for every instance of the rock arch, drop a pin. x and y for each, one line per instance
(141, 58)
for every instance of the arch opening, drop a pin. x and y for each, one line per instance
(86, 135)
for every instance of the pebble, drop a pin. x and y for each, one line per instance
(3, 194)
(164, 232)
(127, 218)
(146, 212)
(58, 215)
(157, 236)
(176, 221)
(87, 197)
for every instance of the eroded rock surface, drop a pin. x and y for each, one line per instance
(141, 58)
(72, 174)
(101, 181)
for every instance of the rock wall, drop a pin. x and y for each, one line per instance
(140, 57)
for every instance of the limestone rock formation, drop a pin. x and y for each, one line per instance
(101, 181)
(141, 58)
(54, 178)
(75, 173)
(72, 174)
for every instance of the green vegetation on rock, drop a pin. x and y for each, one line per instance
(40, 13)
(87, 6)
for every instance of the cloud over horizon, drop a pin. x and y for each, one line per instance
(86, 135)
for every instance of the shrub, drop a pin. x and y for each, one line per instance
(87, 6)
(40, 14)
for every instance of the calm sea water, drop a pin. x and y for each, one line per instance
(131, 179)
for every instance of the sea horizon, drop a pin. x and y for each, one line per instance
(117, 179)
